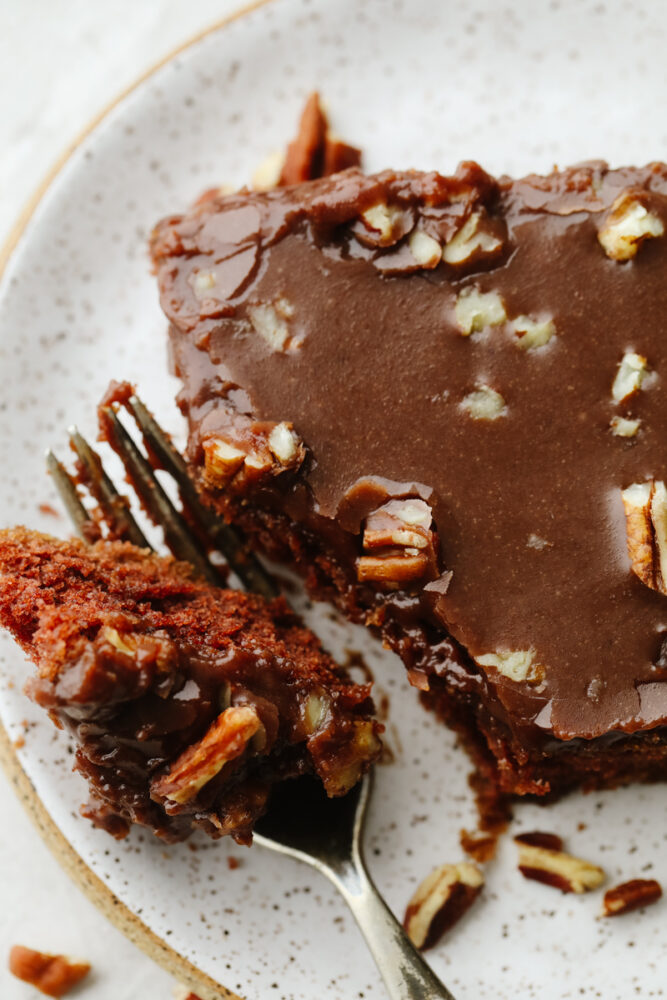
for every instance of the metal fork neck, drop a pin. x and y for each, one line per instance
(405, 973)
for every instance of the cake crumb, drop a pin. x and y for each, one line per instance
(49, 509)
(480, 846)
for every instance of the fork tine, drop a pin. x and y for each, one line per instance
(68, 493)
(116, 510)
(180, 539)
(244, 564)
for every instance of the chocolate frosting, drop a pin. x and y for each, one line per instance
(373, 373)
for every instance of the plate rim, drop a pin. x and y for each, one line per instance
(90, 884)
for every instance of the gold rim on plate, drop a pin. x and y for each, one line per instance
(90, 884)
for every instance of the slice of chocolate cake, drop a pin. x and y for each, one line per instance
(443, 399)
(187, 702)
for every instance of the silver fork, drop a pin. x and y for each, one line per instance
(302, 822)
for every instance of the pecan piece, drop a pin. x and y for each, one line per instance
(628, 224)
(440, 901)
(477, 240)
(271, 321)
(475, 310)
(226, 739)
(630, 895)
(54, 975)
(542, 860)
(532, 333)
(624, 427)
(538, 838)
(383, 225)
(316, 152)
(426, 250)
(400, 545)
(517, 665)
(484, 403)
(645, 506)
(632, 371)
(251, 453)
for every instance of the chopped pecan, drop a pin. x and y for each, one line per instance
(517, 665)
(400, 544)
(426, 250)
(383, 225)
(645, 507)
(541, 859)
(478, 239)
(624, 427)
(533, 333)
(250, 453)
(271, 321)
(341, 772)
(628, 224)
(632, 371)
(226, 739)
(475, 310)
(631, 895)
(440, 901)
(484, 403)
(54, 975)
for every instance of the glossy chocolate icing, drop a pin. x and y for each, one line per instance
(527, 506)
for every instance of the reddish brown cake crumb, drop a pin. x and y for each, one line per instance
(632, 895)
(187, 702)
(49, 509)
(54, 975)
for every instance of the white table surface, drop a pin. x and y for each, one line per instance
(61, 61)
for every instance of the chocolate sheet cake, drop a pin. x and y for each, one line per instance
(187, 702)
(443, 400)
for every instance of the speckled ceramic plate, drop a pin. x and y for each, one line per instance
(516, 85)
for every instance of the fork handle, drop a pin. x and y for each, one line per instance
(405, 973)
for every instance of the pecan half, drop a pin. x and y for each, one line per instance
(316, 152)
(54, 975)
(440, 901)
(645, 506)
(226, 739)
(630, 895)
(542, 860)
(399, 543)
